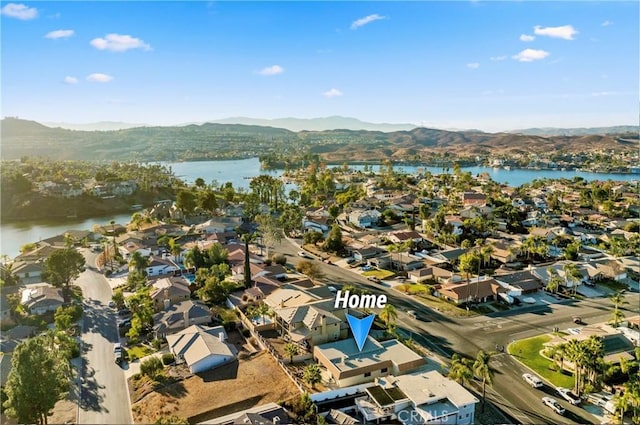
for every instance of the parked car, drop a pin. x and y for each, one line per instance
(112, 304)
(412, 314)
(332, 289)
(304, 254)
(373, 279)
(351, 260)
(117, 355)
(553, 404)
(366, 268)
(568, 395)
(578, 320)
(532, 380)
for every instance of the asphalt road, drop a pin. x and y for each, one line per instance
(103, 394)
(445, 335)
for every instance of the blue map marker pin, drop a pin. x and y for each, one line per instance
(360, 328)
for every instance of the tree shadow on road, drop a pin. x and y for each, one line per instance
(91, 398)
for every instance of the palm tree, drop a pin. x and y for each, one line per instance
(460, 370)
(175, 249)
(578, 356)
(262, 310)
(482, 370)
(312, 374)
(389, 316)
(620, 403)
(616, 317)
(572, 273)
(138, 262)
(467, 266)
(554, 281)
(291, 349)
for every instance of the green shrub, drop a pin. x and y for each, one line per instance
(279, 259)
(151, 367)
(136, 377)
(246, 332)
(157, 343)
(167, 359)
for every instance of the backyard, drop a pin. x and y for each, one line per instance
(239, 385)
(528, 350)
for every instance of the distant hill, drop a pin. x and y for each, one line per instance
(552, 131)
(232, 141)
(317, 124)
(95, 126)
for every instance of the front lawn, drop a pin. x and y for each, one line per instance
(413, 289)
(380, 274)
(138, 351)
(528, 350)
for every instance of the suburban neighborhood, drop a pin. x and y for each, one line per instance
(221, 307)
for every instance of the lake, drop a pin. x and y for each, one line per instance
(239, 172)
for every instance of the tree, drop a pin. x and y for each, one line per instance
(186, 201)
(270, 229)
(200, 182)
(118, 297)
(139, 262)
(311, 269)
(460, 370)
(312, 374)
(63, 266)
(247, 238)
(175, 248)
(482, 370)
(389, 314)
(334, 242)
(467, 266)
(292, 350)
(572, 274)
(39, 377)
(151, 367)
(554, 281)
(616, 316)
(208, 201)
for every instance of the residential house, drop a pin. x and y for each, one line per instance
(316, 224)
(364, 218)
(402, 237)
(474, 199)
(180, 316)
(311, 324)
(456, 222)
(417, 398)
(159, 266)
(29, 271)
(367, 253)
(610, 269)
(265, 414)
(41, 298)
(524, 281)
(505, 251)
(421, 275)
(202, 348)
(476, 290)
(405, 261)
(168, 291)
(347, 365)
(219, 225)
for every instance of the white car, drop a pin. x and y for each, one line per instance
(553, 404)
(532, 380)
(303, 254)
(568, 395)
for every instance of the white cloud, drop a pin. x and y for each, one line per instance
(530, 55)
(99, 78)
(473, 65)
(271, 70)
(54, 35)
(498, 58)
(366, 20)
(20, 11)
(70, 80)
(566, 32)
(606, 23)
(119, 43)
(332, 93)
(526, 37)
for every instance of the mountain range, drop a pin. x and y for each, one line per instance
(227, 141)
(337, 122)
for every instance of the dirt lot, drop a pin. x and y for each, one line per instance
(243, 384)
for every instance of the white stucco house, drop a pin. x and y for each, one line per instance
(202, 348)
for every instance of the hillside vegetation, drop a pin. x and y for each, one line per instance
(232, 141)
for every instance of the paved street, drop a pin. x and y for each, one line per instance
(445, 335)
(104, 397)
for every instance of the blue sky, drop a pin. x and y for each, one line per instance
(459, 64)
